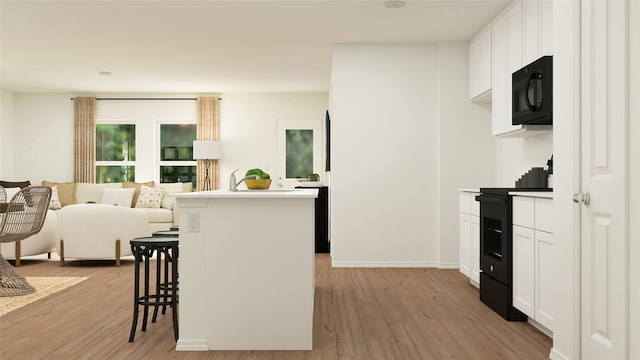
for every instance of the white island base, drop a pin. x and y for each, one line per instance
(246, 268)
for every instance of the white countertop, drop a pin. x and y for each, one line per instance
(471, 190)
(533, 194)
(251, 194)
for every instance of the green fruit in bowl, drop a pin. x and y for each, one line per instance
(263, 175)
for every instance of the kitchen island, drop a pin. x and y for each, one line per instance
(246, 270)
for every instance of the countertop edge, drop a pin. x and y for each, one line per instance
(253, 194)
(533, 194)
(471, 190)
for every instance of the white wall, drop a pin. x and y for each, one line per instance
(6, 142)
(248, 127)
(467, 148)
(42, 130)
(514, 157)
(394, 152)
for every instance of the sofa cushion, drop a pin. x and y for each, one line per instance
(119, 197)
(150, 197)
(13, 184)
(158, 215)
(170, 190)
(66, 191)
(11, 191)
(136, 186)
(54, 203)
(86, 192)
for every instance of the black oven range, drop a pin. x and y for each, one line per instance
(496, 250)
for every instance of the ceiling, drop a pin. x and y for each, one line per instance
(209, 46)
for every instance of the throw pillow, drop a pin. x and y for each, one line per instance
(11, 191)
(54, 203)
(150, 197)
(118, 197)
(136, 186)
(66, 191)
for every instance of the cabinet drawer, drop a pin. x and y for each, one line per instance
(465, 203)
(475, 205)
(523, 211)
(544, 215)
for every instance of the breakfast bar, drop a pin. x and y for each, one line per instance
(246, 270)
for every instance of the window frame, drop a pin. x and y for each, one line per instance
(158, 149)
(131, 163)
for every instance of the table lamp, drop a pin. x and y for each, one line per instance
(206, 150)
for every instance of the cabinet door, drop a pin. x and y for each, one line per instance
(475, 250)
(480, 65)
(544, 279)
(546, 27)
(531, 27)
(499, 76)
(524, 270)
(514, 58)
(465, 250)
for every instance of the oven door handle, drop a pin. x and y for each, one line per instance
(497, 200)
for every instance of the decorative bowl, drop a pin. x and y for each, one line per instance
(261, 184)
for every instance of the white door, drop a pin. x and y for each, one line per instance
(605, 149)
(300, 151)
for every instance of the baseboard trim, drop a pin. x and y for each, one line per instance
(449, 266)
(192, 345)
(556, 355)
(382, 264)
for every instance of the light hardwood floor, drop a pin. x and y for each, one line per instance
(359, 314)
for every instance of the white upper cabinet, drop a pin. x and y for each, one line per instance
(480, 67)
(520, 35)
(538, 29)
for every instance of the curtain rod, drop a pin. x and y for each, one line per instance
(147, 98)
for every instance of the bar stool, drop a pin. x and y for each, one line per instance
(143, 250)
(165, 284)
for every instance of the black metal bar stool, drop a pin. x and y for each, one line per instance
(143, 250)
(166, 283)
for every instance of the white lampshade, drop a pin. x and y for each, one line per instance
(206, 150)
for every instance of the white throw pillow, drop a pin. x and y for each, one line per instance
(11, 192)
(150, 197)
(55, 204)
(119, 197)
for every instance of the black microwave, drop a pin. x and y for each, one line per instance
(532, 93)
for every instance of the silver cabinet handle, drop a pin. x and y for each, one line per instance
(582, 197)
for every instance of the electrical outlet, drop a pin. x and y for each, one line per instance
(193, 222)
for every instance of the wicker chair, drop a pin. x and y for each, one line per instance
(20, 218)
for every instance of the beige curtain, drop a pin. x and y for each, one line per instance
(84, 124)
(207, 129)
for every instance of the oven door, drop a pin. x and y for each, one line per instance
(495, 237)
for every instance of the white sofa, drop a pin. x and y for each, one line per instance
(98, 231)
(48, 238)
(158, 219)
(43, 242)
(161, 218)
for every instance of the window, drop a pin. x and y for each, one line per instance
(299, 146)
(115, 152)
(176, 153)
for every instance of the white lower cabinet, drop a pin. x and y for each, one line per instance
(470, 236)
(532, 259)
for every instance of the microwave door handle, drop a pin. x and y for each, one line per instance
(534, 76)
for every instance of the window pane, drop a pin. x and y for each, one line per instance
(115, 174)
(170, 174)
(299, 144)
(115, 142)
(176, 142)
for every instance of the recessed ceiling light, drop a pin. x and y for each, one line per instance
(104, 73)
(394, 4)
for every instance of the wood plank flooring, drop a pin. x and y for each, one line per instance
(376, 313)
